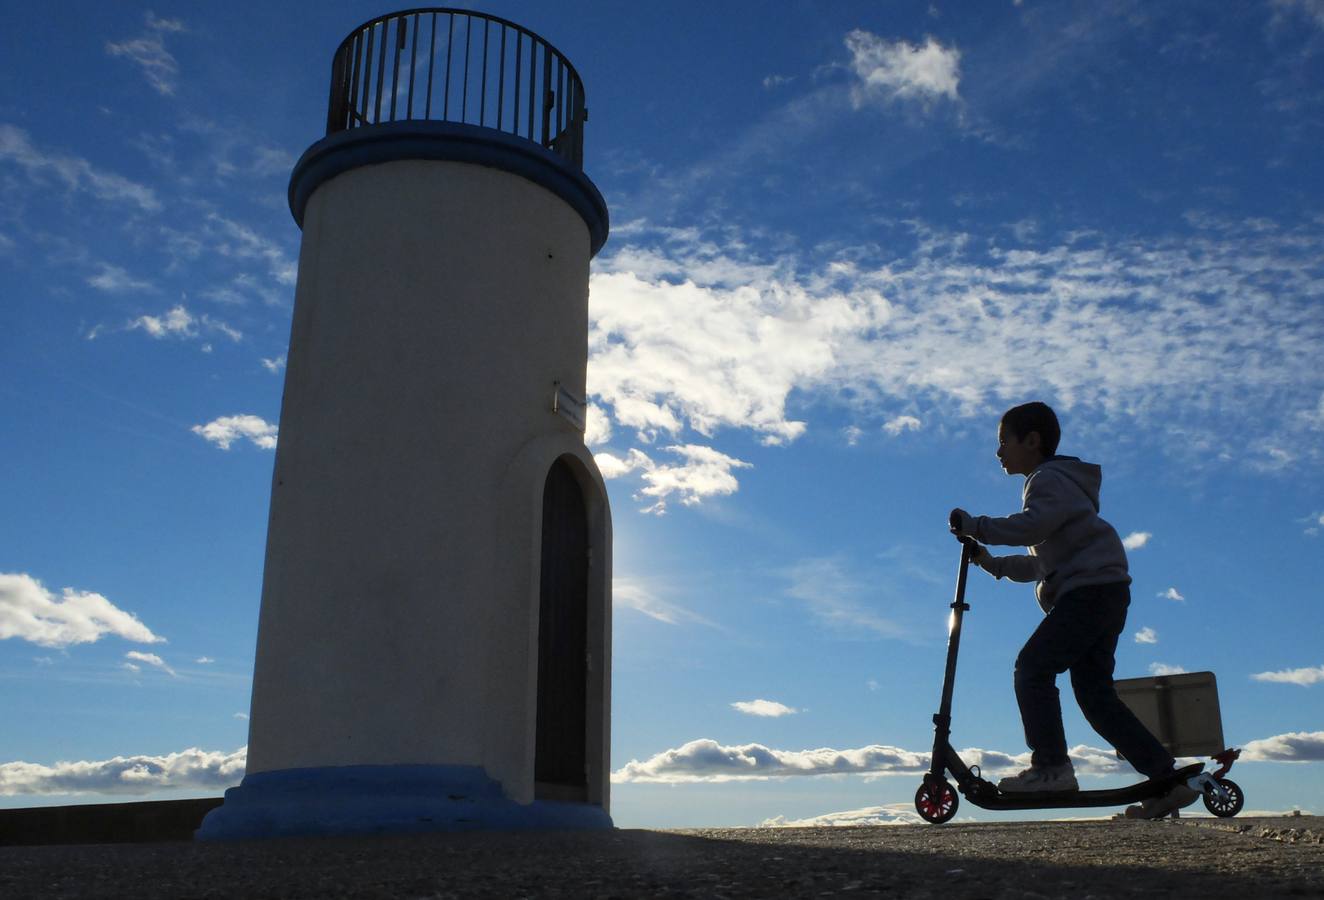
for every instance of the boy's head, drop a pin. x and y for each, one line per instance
(1027, 435)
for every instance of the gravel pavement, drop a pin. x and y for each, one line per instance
(1235, 858)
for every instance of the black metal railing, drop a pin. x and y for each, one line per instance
(454, 65)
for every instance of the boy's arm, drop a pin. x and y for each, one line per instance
(1013, 568)
(1046, 508)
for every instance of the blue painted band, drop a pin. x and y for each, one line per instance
(383, 800)
(450, 142)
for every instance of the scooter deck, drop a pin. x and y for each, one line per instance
(992, 798)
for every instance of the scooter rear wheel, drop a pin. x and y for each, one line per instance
(1225, 808)
(936, 801)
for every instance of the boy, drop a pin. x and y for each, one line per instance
(1079, 566)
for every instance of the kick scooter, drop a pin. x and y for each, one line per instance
(936, 800)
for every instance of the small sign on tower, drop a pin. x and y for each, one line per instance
(568, 406)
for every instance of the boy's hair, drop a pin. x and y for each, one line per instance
(1036, 416)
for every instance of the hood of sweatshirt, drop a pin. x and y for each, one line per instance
(1088, 476)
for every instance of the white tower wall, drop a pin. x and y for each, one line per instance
(389, 608)
(434, 644)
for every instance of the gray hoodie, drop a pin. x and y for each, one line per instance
(1070, 546)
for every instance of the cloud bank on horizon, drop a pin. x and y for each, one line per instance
(191, 769)
(697, 761)
(706, 760)
(890, 814)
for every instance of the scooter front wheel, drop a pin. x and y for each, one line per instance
(1225, 808)
(936, 800)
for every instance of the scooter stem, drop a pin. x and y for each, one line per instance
(959, 606)
(942, 720)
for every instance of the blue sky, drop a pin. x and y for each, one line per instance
(846, 236)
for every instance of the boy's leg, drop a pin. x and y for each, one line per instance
(1066, 634)
(1092, 681)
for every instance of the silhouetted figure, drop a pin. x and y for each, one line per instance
(1079, 568)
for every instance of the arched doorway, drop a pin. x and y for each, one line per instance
(560, 760)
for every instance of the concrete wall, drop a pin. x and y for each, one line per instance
(437, 304)
(138, 822)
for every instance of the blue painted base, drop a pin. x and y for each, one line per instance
(382, 800)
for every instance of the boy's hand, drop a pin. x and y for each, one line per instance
(981, 557)
(961, 523)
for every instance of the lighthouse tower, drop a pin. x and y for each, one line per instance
(434, 645)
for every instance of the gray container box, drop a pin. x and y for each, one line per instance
(1180, 710)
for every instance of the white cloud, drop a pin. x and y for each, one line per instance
(1160, 668)
(892, 814)
(29, 612)
(241, 716)
(703, 472)
(901, 423)
(597, 426)
(227, 429)
(612, 466)
(115, 280)
(706, 760)
(176, 321)
(77, 174)
(1312, 10)
(149, 53)
(1136, 539)
(191, 769)
(272, 161)
(1172, 594)
(233, 334)
(631, 593)
(1146, 635)
(1303, 677)
(274, 365)
(243, 285)
(766, 708)
(1314, 418)
(743, 342)
(1314, 524)
(1295, 746)
(833, 598)
(897, 70)
(266, 161)
(204, 660)
(234, 239)
(150, 659)
(687, 333)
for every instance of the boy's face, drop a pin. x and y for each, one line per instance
(1019, 456)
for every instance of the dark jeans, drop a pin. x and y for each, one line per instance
(1080, 635)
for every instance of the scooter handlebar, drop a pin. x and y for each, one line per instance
(954, 523)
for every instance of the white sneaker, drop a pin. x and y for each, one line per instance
(1157, 807)
(1040, 779)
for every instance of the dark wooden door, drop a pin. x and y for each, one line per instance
(560, 755)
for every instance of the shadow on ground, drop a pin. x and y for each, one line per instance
(1022, 860)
